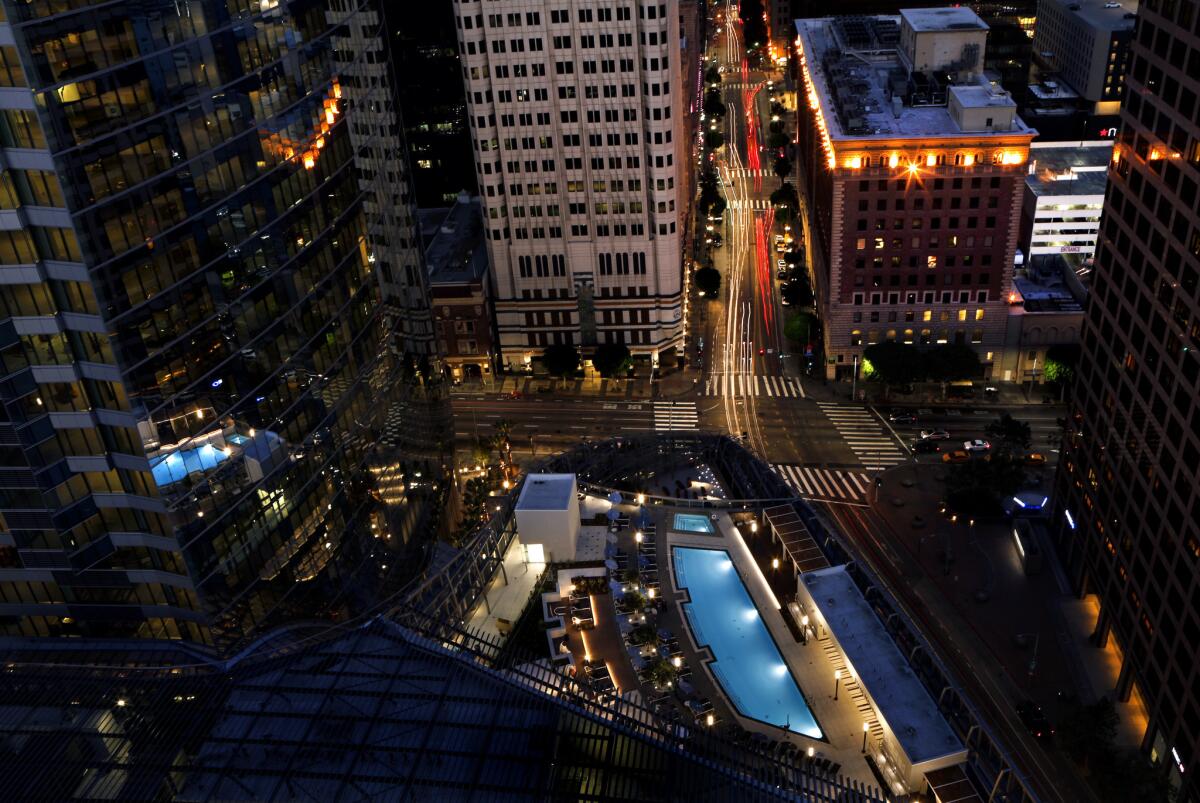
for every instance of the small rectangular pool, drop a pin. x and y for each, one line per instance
(747, 662)
(693, 523)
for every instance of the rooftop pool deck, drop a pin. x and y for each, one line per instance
(693, 523)
(170, 468)
(746, 661)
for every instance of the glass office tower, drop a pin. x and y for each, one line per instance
(211, 301)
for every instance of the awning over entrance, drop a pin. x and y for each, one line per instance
(798, 543)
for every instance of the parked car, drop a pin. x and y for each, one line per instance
(1035, 459)
(926, 447)
(957, 456)
(778, 238)
(902, 417)
(976, 445)
(781, 264)
(935, 435)
(1034, 719)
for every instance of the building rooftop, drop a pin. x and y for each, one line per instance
(1105, 15)
(902, 701)
(375, 711)
(547, 492)
(866, 90)
(958, 18)
(453, 238)
(1045, 287)
(1077, 168)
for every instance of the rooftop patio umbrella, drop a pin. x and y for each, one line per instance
(613, 514)
(643, 517)
(615, 497)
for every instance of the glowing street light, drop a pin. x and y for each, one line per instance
(754, 526)
(866, 728)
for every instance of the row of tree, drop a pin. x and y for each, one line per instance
(894, 363)
(610, 359)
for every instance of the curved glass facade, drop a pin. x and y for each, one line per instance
(208, 282)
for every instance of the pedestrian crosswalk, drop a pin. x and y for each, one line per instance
(746, 172)
(760, 204)
(676, 417)
(824, 483)
(863, 432)
(742, 385)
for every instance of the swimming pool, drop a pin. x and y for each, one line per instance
(747, 663)
(693, 523)
(171, 468)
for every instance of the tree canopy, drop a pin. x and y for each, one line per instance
(951, 361)
(893, 363)
(612, 359)
(708, 281)
(561, 359)
(799, 328)
(712, 75)
(1009, 434)
(782, 166)
(785, 197)
(777, 139)
(713, 105)
(1061, 360)
(798, 292)
(714, 139)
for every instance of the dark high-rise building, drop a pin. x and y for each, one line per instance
(1127, 524)
(424, 49)
(211, 291)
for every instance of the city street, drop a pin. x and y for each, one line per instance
(745, 328)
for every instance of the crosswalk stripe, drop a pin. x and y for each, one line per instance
(745, 385)
(822, 483)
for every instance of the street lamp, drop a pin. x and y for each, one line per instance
(865, 729)
(754, 527)
(641, 499)
(638, 536)
(775, 563)
(804, 627)
(837, 682)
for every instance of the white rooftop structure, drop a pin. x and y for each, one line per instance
(547, 516)
(923, 20)
(919, 739)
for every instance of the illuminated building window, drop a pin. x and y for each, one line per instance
(931, 261)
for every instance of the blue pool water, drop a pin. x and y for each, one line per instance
(173, 467)
(747, 662)
(693, 523)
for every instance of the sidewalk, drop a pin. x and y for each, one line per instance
(679, 384)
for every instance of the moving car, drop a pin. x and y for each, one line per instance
(781, 264)
(1034, 719)
(976, 445)
(1035, 459)
(957, 456)
(935, 435)
(926, 447)
(902, 417)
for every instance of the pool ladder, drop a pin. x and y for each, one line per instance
(851, 687)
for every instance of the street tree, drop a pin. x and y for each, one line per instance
(976, 488)
(708, 281)
(777, 140)
(892, 363)
(799, 328)
(714, 139)
(798, 292)
(950, 362)
(561, 360)
(712, 75)
(785, 199)
(777, 109)
(1010, 435)
(782, 167)
(713, 105)
(504, 429)
(612, 359)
